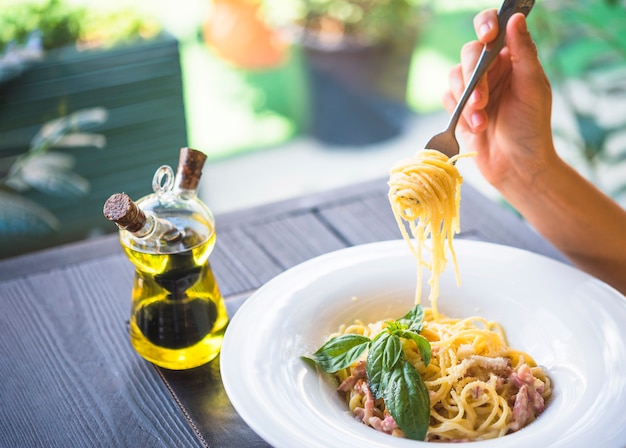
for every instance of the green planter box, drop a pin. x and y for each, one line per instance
(140, 85)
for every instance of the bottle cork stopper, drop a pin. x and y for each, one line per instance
(121, 209)
(189, 170)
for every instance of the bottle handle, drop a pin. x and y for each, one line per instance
(163, 180)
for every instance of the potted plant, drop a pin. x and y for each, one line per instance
(46, 170)
(357, 54)
(69, 60)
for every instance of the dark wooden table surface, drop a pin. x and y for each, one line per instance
(69, 376)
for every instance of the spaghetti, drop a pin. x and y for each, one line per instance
(425, 192)
(479, 387)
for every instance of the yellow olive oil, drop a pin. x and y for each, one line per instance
(178, 316)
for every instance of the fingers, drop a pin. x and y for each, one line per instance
(520, 54)
(486, 25)
(470, 53)
(473, 115)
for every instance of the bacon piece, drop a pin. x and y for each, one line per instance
(356, 373)
(522, 412)
(389, 424)
(523, 376)
(529, 402)
(368, 413)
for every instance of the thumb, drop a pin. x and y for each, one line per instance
(522, 48)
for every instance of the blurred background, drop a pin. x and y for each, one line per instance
(286, 97)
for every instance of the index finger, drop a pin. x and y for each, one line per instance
(486, 25)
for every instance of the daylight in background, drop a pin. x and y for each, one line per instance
(247, 103)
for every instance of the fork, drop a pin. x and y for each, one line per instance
(446, 141)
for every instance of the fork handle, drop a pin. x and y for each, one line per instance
(490, 52)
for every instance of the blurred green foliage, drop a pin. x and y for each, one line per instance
(60, 23)
(48, 171)
(576, 37)
(582, 45)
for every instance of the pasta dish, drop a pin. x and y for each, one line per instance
(479, 388)
(427, 376)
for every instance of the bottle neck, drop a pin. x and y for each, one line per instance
(188, 193)
(147, 229)
(143, 227)
(160, 231)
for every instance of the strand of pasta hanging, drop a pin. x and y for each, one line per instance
(425, 192)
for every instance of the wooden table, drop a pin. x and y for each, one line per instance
(69, 376)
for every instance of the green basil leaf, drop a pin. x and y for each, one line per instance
(383, 356)
(374, 365)
(310, 361)
(407, 400)
(423, 346)
(393, 352)
(414, 318)
(395, 327)
(341, 351)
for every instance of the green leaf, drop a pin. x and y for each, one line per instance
(393, 352)
(407, 400)
(341, 351)
(423, 346)
(389, 374)
(310, 361)
(414, 318)
(384, 355)
(20, 216)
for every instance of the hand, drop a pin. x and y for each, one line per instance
(508, 118)
(508, 122)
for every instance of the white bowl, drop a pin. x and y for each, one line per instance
(570, 323)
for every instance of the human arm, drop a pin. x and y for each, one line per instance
(508, 122)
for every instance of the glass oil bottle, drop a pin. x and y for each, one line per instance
(178, 316)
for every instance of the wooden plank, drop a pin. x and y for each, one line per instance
(69, 372)
(202, 395)
(368, 218)
(240, 265)
(362, 220)
(92, 59)
(57, 257)
(78, 78)
(309, 201)
(293, 238)
(68, 62)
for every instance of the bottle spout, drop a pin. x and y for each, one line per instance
(123, 211)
